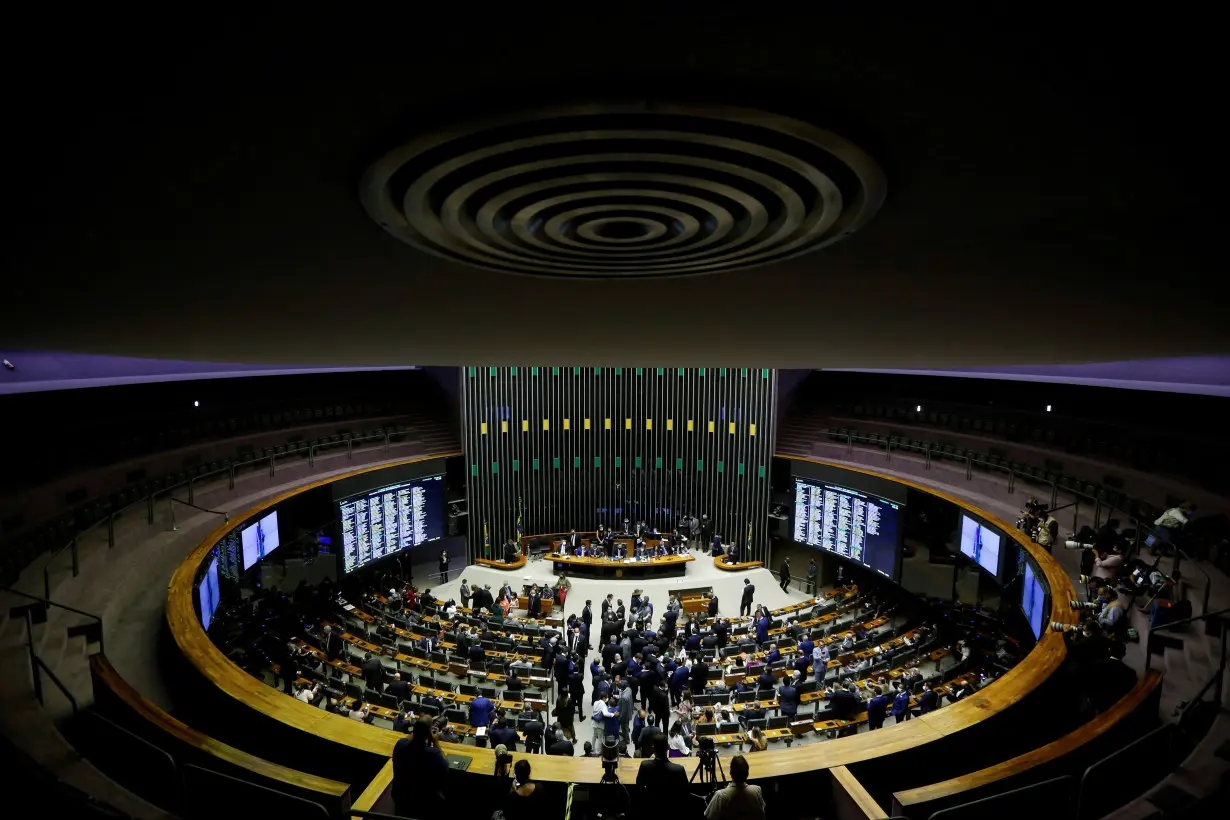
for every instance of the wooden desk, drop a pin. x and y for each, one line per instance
(664, 566)
(719, 561)
(518, 563)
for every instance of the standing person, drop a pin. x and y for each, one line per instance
(745, 604)
(785, 574)
(587, 613)
(464, 593)
(877, 709)
(812, 572)
(901, 702)
(738, 801)
(419, 772)
(626, 696)
(443, 566)
(526, 800)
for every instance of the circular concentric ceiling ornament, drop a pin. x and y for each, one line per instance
(624, 191)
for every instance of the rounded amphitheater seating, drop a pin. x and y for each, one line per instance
(958, 720)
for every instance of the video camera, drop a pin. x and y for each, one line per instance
(1086, 606)
(1056, 626)
(610, 760)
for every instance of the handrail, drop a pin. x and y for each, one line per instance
(46, 602)
(38, 689)
(37, 663)
(1192, 619)
(173, 500)
(1173, 624)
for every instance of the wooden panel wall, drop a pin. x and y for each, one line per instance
(571, 447)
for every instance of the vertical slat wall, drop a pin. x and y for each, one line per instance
(528, 448)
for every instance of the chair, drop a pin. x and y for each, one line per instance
(468, 689)
(706, 729)
(456, 715)
(779, 722)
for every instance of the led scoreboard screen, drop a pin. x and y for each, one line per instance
(384, 521)
(848, 523)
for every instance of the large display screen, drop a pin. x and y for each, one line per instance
(208, 593)
(1033, 601)
(384, 521)
(848, 523)
(260, 539)
(980, 544)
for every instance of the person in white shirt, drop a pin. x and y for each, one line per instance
(678, 740)
(600, 714)
(358, 712)
(308, 695)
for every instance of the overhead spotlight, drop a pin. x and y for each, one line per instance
(918, 409)
(1048, 408)
(198, 404)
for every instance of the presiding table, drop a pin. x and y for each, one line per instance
(665, 566)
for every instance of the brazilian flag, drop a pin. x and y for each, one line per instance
(749, 537)
(519, 511)
(486, 540)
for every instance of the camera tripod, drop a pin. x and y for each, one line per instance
(708, 767)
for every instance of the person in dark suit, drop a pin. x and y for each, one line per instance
(745, 603)
(621, 612)
(927, 701)
(607, 603)
(767, 680)
(845, 703)
(503, 734)
(480, 711)
(699, 676)
(713, 606)
(877, 709)
(533, 735)
(373, 672)
(333, 644)
(562, 747)
(574, 540)
(587, 613)
(659, 773)
(443, 566)
(762, 629)
(785, 574)
(419, 773)
(563, 668)
(788, 696)
(399, 689)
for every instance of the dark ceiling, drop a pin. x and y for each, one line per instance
(1053, 193)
